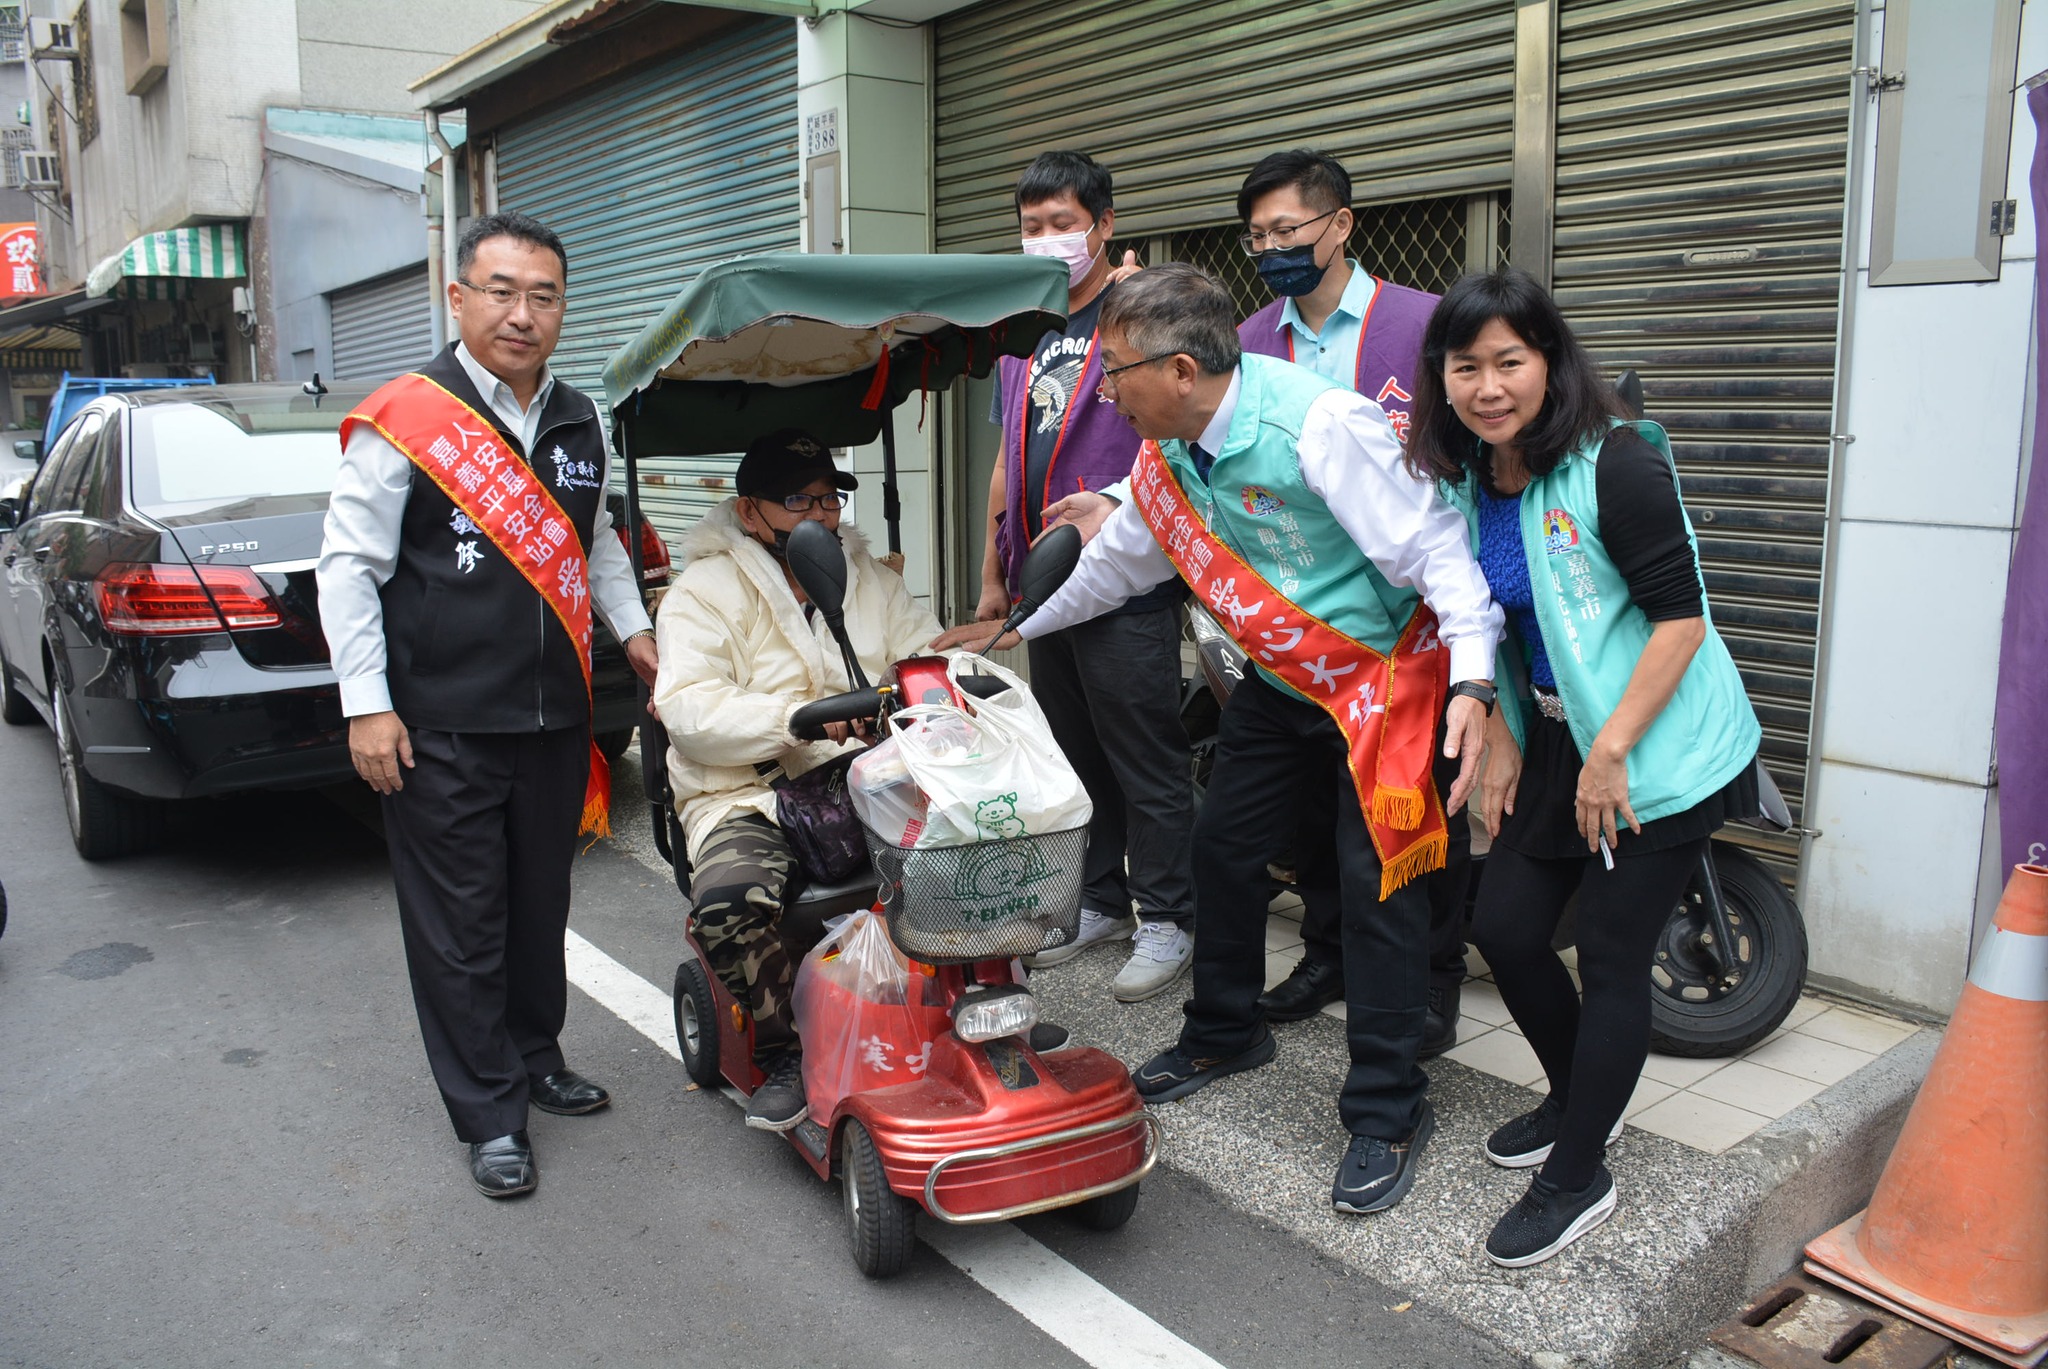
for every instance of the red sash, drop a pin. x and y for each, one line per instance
(1390, 732)
(458, 449)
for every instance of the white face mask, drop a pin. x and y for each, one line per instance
(1071, 248)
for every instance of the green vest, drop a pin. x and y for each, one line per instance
(1594, 634)
(1256, 501)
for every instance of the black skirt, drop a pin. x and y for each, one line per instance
(1545, 823)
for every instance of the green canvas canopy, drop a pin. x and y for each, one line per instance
(830, 344)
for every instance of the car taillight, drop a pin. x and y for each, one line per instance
(168, 600)
(654, 559)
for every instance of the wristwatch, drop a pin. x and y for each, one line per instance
(1475, 689)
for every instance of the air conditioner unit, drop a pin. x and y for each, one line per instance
(40, 170)
(52, 38)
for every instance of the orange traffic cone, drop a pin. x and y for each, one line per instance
(1956, 1236)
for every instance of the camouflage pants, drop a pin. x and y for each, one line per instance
(737, 890)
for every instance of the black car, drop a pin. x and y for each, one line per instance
(160, 611)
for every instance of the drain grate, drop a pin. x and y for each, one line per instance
(1799, 1323)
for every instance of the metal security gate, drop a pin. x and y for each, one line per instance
(383, 327)
(649, 180)
(1179, 99)
(1701, 154)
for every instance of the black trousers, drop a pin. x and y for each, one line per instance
(481, 840)
(1315, 869)
(1269, 746)
(1592, 1050)
(1110, 688)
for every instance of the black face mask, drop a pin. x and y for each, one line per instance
(780, 549)
(1291, 270)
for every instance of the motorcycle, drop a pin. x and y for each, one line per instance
(1731, 959)
(990, 1128)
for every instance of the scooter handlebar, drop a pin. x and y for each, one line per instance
(808, 722)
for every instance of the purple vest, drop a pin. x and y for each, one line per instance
(1389, 346)
(1096, 448)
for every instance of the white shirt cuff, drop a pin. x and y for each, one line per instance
(1471, 659)
(365, 694)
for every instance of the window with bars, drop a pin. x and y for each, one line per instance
(1426, 244)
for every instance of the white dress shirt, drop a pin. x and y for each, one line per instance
(1351, 460)
(359, 551)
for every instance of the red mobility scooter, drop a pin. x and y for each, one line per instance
(986, 1128)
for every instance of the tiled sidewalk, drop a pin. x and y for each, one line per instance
(1709, 1105)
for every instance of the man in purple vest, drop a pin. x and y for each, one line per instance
(1336, 319)
(1109, 687)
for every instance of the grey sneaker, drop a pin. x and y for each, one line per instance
(1096, 928)
(1162, 954)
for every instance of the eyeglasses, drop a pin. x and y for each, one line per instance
(1110, 373)
(803, 503)
(1281, 238)
(501, 297)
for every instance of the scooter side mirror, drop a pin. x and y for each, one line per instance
(1628, 388)
(1046, 567)
(819, 564)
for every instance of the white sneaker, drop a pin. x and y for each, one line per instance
(1096, 928)
(1162, 955)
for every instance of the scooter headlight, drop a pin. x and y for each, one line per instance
(984, 1014)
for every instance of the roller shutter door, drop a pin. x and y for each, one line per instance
(649, 180)
(383, 327)
(1179, 99)
(1701, 155)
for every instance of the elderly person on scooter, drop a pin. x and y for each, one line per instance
(1281, 497)
(741, 650)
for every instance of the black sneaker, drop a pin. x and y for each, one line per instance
(1546, 1221)
(1377, 1174)
(1047, 1037)
(1440, 1029)
(1526, 1141)
(1175, 1074)
(779, 1103)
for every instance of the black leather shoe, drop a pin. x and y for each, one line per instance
(566, 1093)
(1440, 1033)
(1314, 985)
(503, 1167)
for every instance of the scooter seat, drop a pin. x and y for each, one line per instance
(804, 916)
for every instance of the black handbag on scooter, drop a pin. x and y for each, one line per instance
(815, 812)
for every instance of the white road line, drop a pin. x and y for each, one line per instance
(1051, 1294)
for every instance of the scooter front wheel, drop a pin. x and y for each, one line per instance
(881, 1221)
(1107, 1212)
(696, 1014)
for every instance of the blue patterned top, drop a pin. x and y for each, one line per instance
(1506, 567)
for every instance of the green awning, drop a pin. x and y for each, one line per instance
(146, 268)
(796, 339)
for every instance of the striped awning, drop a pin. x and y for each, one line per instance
(146, 268)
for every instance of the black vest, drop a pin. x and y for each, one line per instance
(469, 645)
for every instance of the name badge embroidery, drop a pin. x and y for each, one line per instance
(573, 475)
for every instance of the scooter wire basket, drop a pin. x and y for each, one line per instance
(988, 900)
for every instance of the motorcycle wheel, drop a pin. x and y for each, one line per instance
(696, 1015)
(1696, 1012)
(881, 1222)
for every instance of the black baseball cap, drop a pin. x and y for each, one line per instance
(783, 462)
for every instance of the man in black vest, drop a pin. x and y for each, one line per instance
(467, 704)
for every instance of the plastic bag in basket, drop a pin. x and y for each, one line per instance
(867, 1020)
(992, 774)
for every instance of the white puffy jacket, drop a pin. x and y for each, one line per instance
(739, 656)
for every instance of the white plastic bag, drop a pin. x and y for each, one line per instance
(992, 774)
(866, 1019)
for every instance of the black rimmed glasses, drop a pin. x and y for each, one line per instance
(504, 297)
(1110, 373)
(803, 503)
(1280, 238)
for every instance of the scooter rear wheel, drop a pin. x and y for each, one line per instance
(1696, 1010)
(1107, 1212)
(696, 1023)
(881, 1221)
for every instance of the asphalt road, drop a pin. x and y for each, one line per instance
(222, 1147)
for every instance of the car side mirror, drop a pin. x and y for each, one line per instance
(29, 448)
(10, 515)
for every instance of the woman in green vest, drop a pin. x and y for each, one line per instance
(1631, 744)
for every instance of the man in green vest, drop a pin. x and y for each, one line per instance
(1282, 499)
